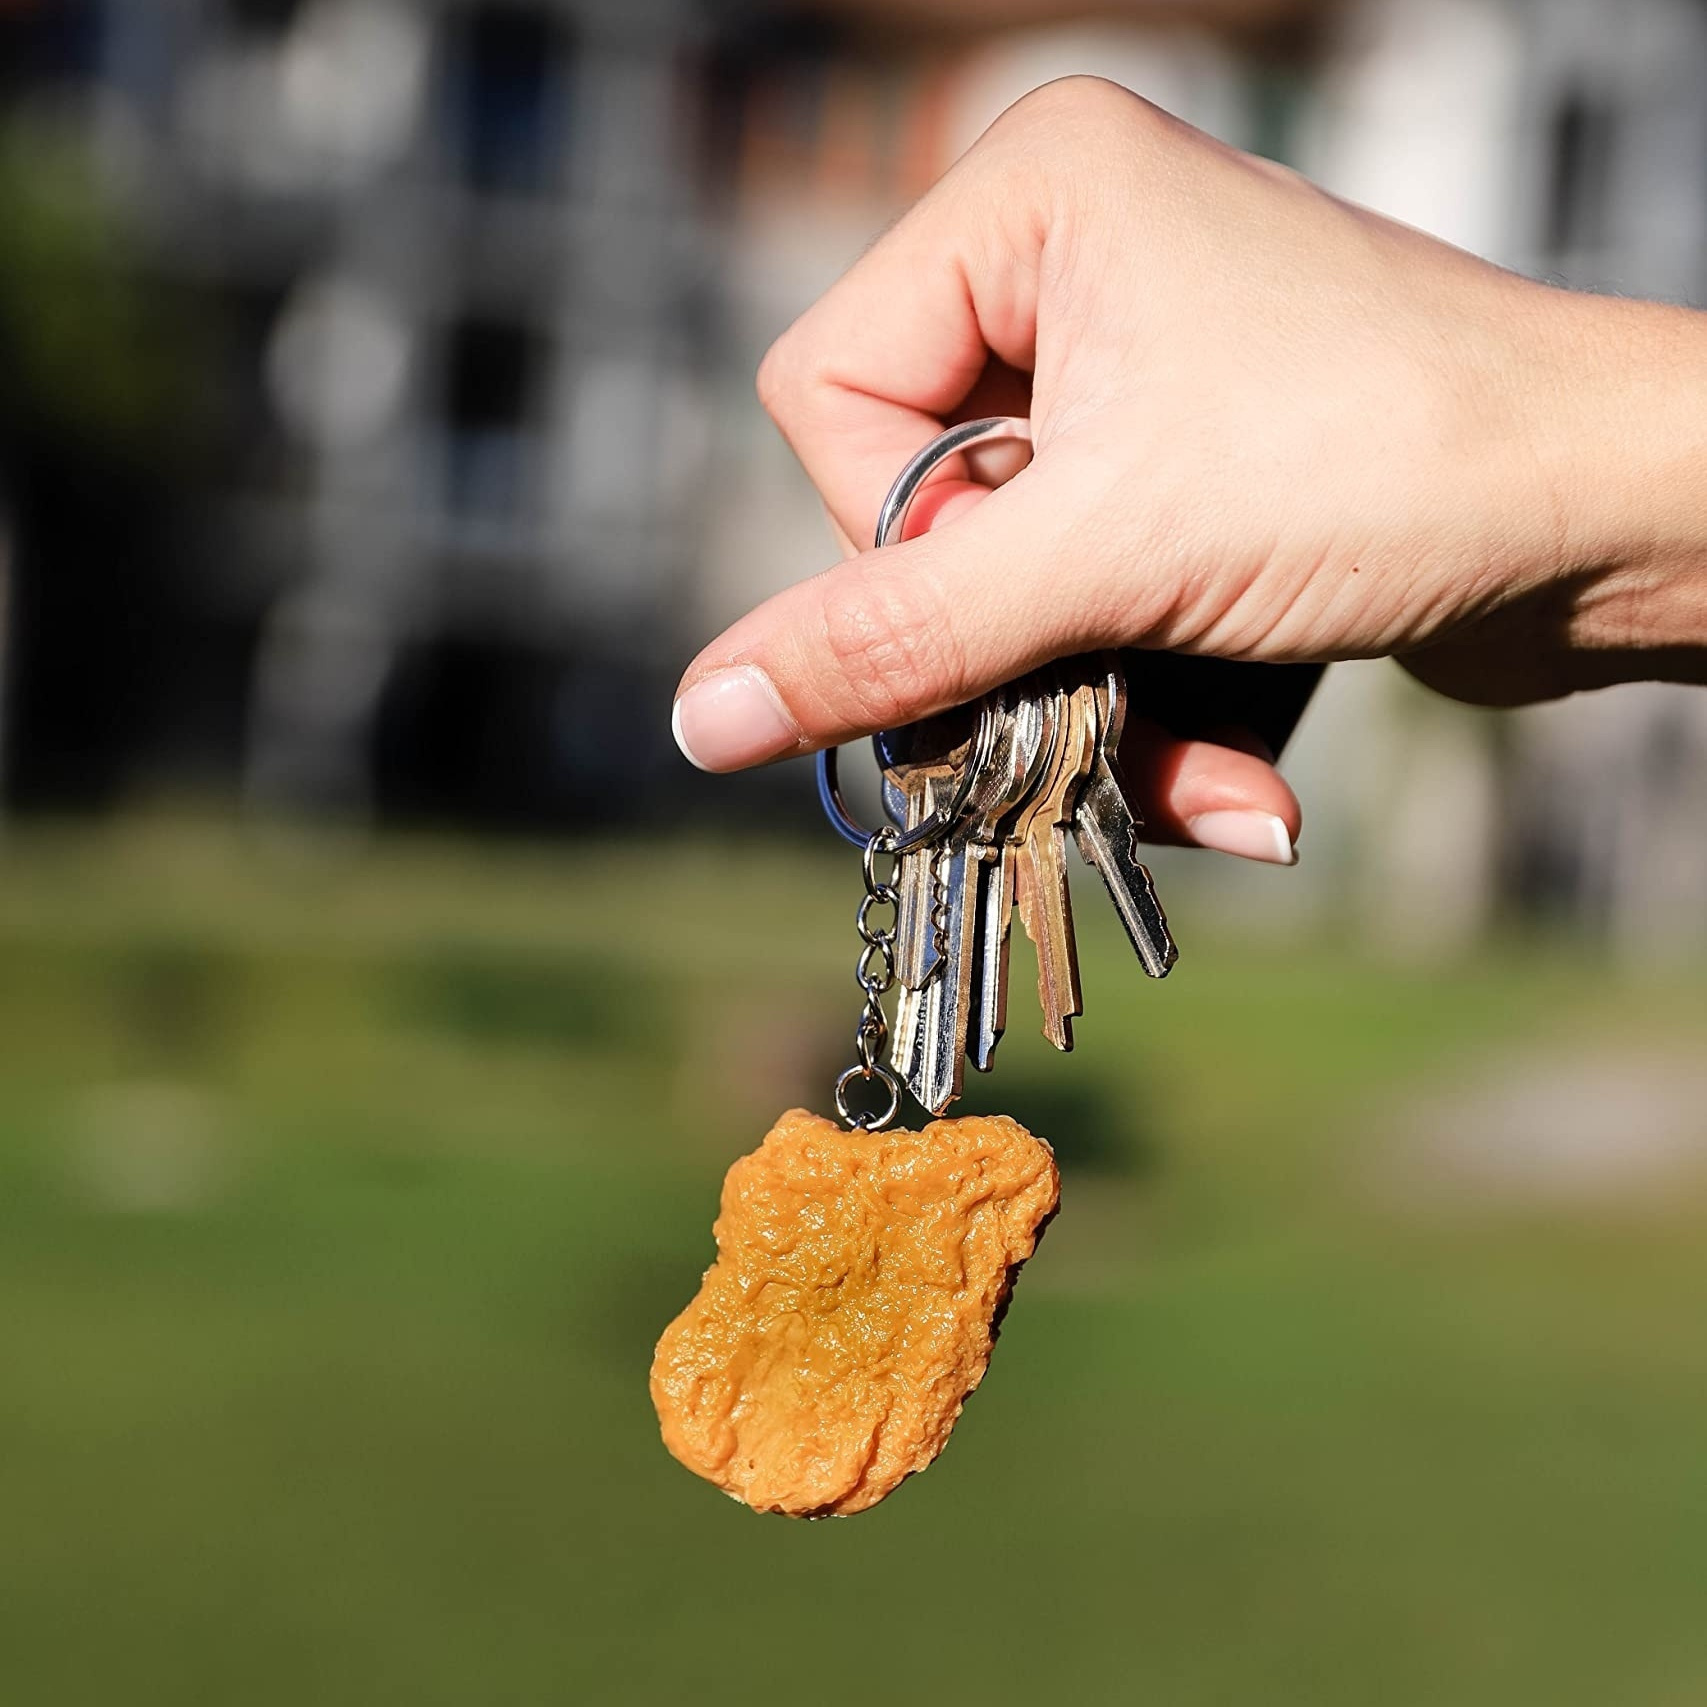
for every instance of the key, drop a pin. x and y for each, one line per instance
(935, 1058)
(949, 997)
(923, 765)
(922, 762)
(919, 1020)
(1034, 711)
(918, 945)
(1028, 833)
(919, 1011)
(1045, 903)
(917, 952)
(1106, 830)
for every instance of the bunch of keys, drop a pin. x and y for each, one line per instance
(984, 800)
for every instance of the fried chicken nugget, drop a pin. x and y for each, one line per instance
(851, 1308)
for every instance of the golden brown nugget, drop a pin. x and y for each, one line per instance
(851, 1308)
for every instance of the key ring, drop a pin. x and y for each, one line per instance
(890, 518)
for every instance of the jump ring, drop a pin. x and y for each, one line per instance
(874, 1120)
(889, 522)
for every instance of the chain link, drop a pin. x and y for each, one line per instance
(874, 972)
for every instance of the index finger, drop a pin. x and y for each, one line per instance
(887, 356)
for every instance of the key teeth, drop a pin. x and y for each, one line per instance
(1170, 957)
(965, 926)
(1062, 1040)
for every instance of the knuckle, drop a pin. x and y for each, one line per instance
(1069, 106)
(781, 377)
(891, 640)
(1077, 142)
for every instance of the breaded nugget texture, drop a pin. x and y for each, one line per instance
(851, 1308)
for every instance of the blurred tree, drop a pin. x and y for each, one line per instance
(89, 345)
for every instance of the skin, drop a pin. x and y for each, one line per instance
(1269, 425)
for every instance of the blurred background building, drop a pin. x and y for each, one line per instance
(377, 440)
(377, 424)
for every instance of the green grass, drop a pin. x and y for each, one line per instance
(341, 1200)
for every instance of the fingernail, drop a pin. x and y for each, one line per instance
(731, 719)
(1250, 835)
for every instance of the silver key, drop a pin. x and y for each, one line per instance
(934, 1060)
(924, 761)
(948, 1000)
(916, 1052)
(1034, 715)
(1106, 830)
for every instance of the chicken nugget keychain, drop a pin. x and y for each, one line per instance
(860, 1272)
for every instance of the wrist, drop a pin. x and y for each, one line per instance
(1621, 433)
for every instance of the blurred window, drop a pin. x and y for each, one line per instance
(490, 369)
(507, 73)
(1582, 142)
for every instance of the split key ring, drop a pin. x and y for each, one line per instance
(889, 522)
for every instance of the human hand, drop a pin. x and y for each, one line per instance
(1268, 425)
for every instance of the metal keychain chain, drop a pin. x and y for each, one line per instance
(874, 972)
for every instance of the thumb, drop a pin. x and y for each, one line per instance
(997, 587)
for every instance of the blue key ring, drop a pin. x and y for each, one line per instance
(889, 522)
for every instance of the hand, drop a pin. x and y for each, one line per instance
(1268, 425)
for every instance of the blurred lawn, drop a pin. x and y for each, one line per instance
(341, 1202)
